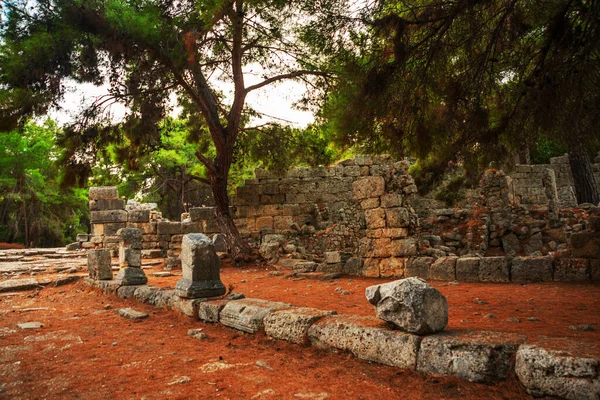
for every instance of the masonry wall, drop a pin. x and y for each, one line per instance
(527, 182)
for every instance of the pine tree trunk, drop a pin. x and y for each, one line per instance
(586, 188)
(236, 245)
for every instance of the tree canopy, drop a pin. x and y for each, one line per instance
(148, 51)
(473, 80)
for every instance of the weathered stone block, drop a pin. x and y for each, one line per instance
(371, 267)
(138, 216)
(566, 374)
(397, 217)
(467, 269)
(404, 248)
(200, 268)
(571, 269)
(248, 314)
(483, 357)
(202, 213)
(154, 296)
(98, 262)
(147, 228)
(410, 304)
(292, 325)
(372, 186)
(443, 269)
(264, 222)
(332, 257)
(282, 223)
(108, 216)
(353, 266)
(131, 276)
(209, 311)
(390, 200)
(103, 205)
(368, 204)
(531, 269)
(419, 267)
(130, 238)
(493, 269)
(585, 244)
(393, 267)
(125, 292)
(375, 218)
(367, 338)
(169, 228)
(103, 193)
(130, 257)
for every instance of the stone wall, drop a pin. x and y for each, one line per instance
(528, 186)
(358, 217)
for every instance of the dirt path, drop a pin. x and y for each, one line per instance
(86, 351)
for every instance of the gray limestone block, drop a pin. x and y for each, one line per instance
(98, 262)
(304, 266)
(531, 269)
(82, 237)
(209, 311)
(353, 266)
(443, 269)
(483, 357)
(15, 285)
(248, 314)
(292, 325)
(192, 227)
(185, 306)
(200, 268)
(154, 296)
(111, 229)
(129, 257)
(202, 213)
(138, 216)
(467, 269)
(109, 287)
(510, 244)
(108, 216)
(410, 304)
(125, 292)
(103, 205)
(566, 374)
(169, 228)
(130, 238)
(131, 276)
(419, 267)
(367, 338)
(404, 247)
(494, 269)
(132, 314)
(103, 193)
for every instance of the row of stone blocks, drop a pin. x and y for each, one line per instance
(485, 357)
(486, 269)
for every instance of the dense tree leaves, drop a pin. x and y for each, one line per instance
(473, 81)
(147, 51)
(33, 208)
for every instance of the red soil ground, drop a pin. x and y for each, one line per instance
(6, 246)
(86, 351)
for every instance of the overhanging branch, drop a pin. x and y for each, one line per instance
(281, 77)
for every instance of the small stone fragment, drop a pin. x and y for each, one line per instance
(30, 325)
(132, 314)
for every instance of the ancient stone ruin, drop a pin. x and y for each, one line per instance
(364, 217)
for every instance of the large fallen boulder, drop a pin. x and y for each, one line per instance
(410, 304)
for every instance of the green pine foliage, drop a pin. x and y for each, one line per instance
(34, 209)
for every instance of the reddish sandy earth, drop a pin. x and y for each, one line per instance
(87, 351)
(6, 246)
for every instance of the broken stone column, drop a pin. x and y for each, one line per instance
(130, 257)
(98, 262)
(549, 183)
(201, 268)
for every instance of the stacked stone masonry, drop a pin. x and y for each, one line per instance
(357, 217)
